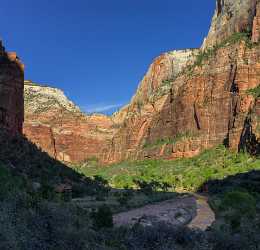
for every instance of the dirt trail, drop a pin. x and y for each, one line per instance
(193, 211)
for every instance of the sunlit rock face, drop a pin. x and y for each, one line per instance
(58, 126)
(188, 101)
(204, 104)
(11, 91)
(230, 17)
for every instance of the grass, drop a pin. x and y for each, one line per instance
(180, 175)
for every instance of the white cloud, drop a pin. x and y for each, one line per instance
(96, 108)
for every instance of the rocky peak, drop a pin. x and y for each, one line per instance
(192, 100)
(39, 97)
(161, 73)
(231, 16)
(58, 126)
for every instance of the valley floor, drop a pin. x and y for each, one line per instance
(191, 210)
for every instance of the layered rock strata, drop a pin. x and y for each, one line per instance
(206, 103)
(58, 126)
(188, 101)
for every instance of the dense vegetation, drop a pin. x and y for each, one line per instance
(36, 217)
(231, 181)
(178, 175)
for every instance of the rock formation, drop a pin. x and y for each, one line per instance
(188, 101)
(204, 104)
(230, 17)
(11, 91)
(59, 127)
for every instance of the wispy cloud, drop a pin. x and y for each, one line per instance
(101, 108)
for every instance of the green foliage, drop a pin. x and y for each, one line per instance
(254, 92)
(102, 217)
(183, 174)
(241, 201)
(174, 140)
(237, 205)
(233, 39)
(205, 55)
(9, 183)
(124, 197)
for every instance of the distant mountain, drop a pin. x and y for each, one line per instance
(60, 128)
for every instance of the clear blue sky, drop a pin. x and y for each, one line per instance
(97, 51)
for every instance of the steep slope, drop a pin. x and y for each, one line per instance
(59, 127)
(205, 104)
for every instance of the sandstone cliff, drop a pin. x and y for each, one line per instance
(188, 101)
(207, 102)
(230, 17)
(58, 126)
(11, 91)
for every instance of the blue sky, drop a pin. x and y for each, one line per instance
(97, 51)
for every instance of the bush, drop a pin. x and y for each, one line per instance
(242, 202)
(102, 217)
(124, 197)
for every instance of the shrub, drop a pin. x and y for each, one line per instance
(242, 202)
(102, 217)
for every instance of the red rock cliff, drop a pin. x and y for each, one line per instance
(188, 101)
(11, 91)
(203, 105)
(59, 127)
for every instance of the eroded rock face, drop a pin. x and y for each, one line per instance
(230, 17)
(11, 91)
(205, 104)
(58, 126)
(188, 101)
(256, 25)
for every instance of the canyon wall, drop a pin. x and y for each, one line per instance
(11, 91)
(206, 103)
(230, 17)
(58, 126)
(188, 101)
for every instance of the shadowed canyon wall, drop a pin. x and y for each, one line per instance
(11, 91)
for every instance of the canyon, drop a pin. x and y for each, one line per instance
(60, 128)
(188, 101)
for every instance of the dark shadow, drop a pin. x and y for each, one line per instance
(248, 140)
(11, 91)
(25, 159)
(249, 181)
